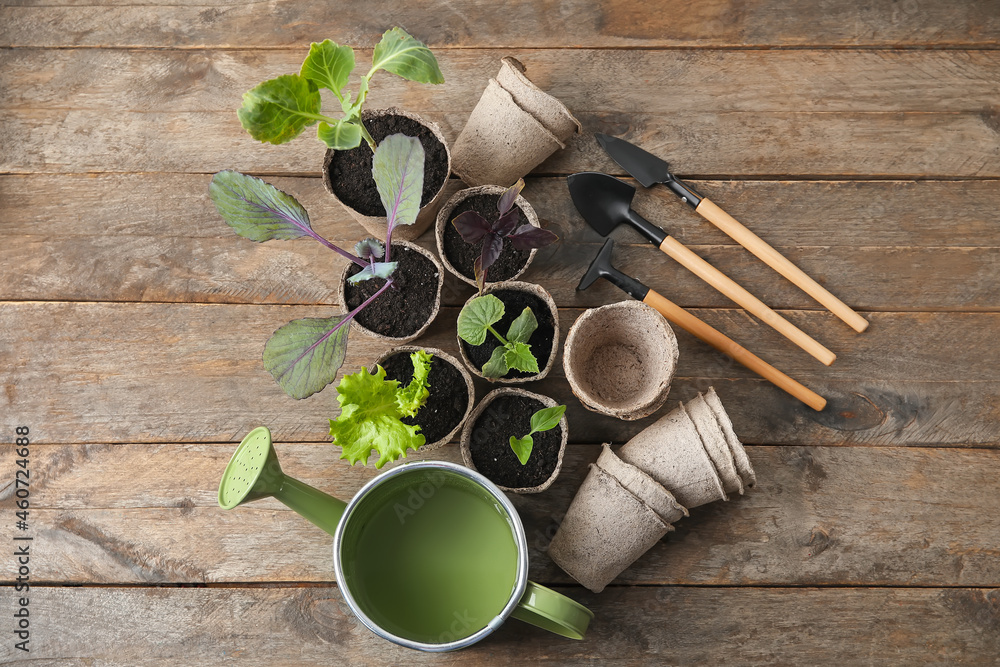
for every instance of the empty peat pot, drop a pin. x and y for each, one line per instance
(403, 312)
(605, 530)
(512, 129)
(451, 392)
(620, 358)
(429, 554)
(347, 175)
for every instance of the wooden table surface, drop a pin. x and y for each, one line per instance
(860, 139)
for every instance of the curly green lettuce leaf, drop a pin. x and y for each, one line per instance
(304, 355)
(414, 395)
(404, 55)
(477, 316)
(277, 110)
(370, 420)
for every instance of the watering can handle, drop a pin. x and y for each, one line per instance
(546, 609)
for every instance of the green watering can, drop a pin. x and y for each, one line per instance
(430, 554)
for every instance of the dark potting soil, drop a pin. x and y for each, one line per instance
(447, 401)
(351, 170)
(490, 443)
(514, 302)
(402, 309)
(463, 255)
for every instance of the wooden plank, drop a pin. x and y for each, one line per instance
(105, 372)
(169, 244)
(523, 23)
(920, 214)
(232, 271)
(127, 514)
(767, 144)
(671, 81)
(306, 626)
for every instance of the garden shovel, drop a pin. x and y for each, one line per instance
(601, 268)
(606, 202)
(649, 170)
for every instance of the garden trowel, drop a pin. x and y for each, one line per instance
(601, 268)
(606, 202)
(650, 170)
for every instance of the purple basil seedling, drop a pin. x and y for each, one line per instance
(475, 228)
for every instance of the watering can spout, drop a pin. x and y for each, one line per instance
(254, 473)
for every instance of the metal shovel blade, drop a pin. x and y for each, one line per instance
(643, 165)
(602, 200)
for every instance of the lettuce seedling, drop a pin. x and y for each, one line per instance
(371, 412)
(545, 419)
(478, 317)
(304, 355)
(278, 110)
(474, 228)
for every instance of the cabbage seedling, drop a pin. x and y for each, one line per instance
(278, 110)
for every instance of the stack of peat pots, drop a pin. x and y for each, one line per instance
(631, 497)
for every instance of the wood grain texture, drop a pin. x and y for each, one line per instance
(903, 114)
(190, 23)
(307, 626)
(813, 145)
(860, 139)
(860, 516)
(673, 81)
(157, 237)
(78, 372)
(800, 213)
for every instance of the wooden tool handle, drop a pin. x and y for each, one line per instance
(779, 263)
(730, 288)
(726, 345)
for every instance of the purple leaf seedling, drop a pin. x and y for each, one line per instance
(304, 355)
(474, 229)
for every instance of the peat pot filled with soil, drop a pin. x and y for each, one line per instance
(544, 341)
(458, 256)
(403, 311)
(451, 392)
(503, 413)
(347, 175)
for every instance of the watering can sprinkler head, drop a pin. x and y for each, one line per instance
(254, 473)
